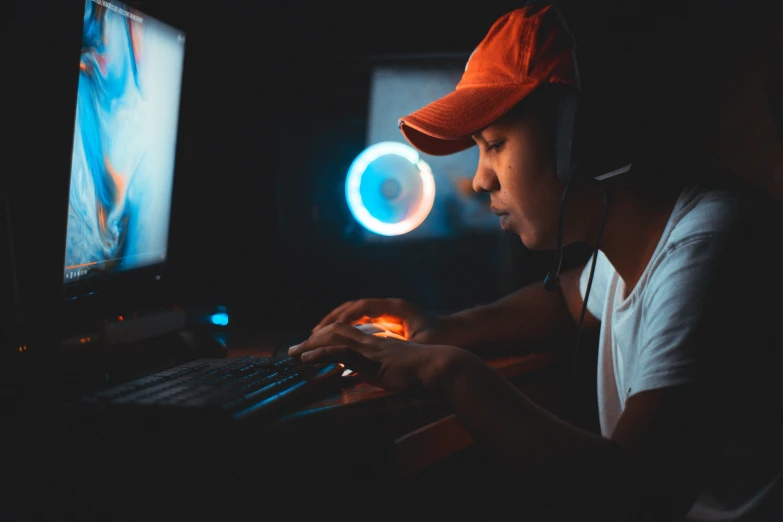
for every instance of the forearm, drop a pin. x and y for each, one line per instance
(494, 410)
(529, 315)
(531, 444)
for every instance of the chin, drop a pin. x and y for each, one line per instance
(537, 243)
(533, 246)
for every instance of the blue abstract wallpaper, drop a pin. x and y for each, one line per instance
(130, 75)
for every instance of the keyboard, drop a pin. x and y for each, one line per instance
(233, 388)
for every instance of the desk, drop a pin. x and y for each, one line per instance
(356, 432)
(417, 432)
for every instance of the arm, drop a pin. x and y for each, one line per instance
(655, 461)
(529, 315)
(665, 442)
(662, 448)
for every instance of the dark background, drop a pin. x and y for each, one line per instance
(292, 117)
(274, 92)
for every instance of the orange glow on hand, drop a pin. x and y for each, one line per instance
(387, 333)
(392, 325)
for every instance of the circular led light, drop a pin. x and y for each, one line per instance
(391, 189)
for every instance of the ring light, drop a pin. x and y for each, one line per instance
(366, 211)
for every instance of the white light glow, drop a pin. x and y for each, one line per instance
(354, 179)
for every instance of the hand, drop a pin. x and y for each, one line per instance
(397, 315)
(385, 362)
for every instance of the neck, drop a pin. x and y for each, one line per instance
(633, 229)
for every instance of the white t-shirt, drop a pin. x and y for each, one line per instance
(654, 336)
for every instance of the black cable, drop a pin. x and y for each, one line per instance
(607, 202)
(552, 279)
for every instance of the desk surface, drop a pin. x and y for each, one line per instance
(359, 431)
(419, 431)
(511, 367)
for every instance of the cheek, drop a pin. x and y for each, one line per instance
(537, 206)
(537, 230)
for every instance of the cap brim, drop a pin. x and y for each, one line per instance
(446, 125)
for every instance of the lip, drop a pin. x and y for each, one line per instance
(505, 221)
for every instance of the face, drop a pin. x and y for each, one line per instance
(517, 168)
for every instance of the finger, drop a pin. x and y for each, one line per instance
(335, 334)
(367, 310)
(338, 353)
(345, 355)
(391, 323)
(348, 313)
(338, 330)
(332, 316)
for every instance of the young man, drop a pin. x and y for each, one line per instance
(675, 290)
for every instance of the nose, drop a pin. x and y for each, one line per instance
(485, 180)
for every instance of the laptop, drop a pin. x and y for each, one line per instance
(124, 348)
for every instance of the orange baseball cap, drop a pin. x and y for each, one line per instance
(522, 50)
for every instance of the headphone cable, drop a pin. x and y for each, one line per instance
(607, 203)
(552, 279)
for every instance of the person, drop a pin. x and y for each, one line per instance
(672, 290)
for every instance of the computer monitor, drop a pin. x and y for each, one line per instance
(115, 255)
(124, 148)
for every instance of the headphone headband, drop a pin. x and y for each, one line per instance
(568, 31)
(566, 166)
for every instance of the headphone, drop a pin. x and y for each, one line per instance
(568, 101)
(570, 166)
(566, 164)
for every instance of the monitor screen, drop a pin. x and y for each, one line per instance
(122, 166)
(399, 191)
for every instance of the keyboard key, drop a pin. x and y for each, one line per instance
(235, 386)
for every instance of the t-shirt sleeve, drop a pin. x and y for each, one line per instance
(689, 301)
(596, 301)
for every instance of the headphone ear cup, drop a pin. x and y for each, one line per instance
(564, 133)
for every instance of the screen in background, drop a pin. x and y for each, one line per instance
(122, 168)
(402, 192)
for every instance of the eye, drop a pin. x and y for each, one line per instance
(495, 145)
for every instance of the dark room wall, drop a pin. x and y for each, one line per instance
(266, 85)
(272, 90)
(275, 91)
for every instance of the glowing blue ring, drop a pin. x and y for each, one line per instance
(354, 180)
